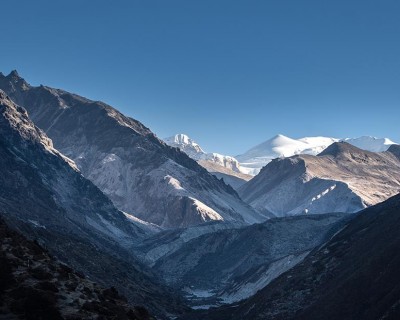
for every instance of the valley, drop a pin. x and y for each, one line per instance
(180, 233)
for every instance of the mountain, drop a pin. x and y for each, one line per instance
(233, 178)
(34, 285)
(342, 178)
(229, 264)
(371, 143)
(124, 159)
(45, 197)
(187, 145)
(225, 167)
(281, 146)
(355, 275)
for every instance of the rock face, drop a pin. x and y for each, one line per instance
(225, 167)
(342, 178)
(34, 285)
(355, 275)
(228, 265)
(139, 173)
(44, 196)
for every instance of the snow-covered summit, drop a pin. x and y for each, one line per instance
(371, 143)
(187, 145)
(281, 146)
(193, 150)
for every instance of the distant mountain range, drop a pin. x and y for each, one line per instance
(254, 159)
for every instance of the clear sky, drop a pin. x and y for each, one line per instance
(230, 74)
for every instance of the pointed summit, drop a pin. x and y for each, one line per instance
(186, 144)
(14, 74)
(12, 82)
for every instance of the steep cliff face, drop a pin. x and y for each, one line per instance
(139, 173)
(44, 196)
(342, 178)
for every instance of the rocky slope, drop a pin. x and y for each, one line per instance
(355, 275)
(45, 197)
(225, 167)
(34, 285)
(226, 265)
(342, 178)
(139, 173)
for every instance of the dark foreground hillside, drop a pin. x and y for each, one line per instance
(355, 275)
(33, 285)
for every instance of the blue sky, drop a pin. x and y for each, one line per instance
(230, 74)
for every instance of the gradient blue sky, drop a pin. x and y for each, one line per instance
(230, 74)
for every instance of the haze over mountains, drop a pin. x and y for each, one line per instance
(177, 231)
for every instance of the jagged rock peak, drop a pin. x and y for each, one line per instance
(14, 74)
(13, 80)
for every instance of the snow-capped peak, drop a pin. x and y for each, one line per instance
(281, 146)
(370, 143)
(193, 150)
(187, 145)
